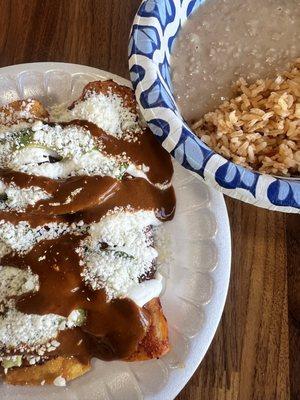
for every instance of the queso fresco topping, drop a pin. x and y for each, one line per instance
(81, 201)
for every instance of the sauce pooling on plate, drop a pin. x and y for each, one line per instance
(81, 213)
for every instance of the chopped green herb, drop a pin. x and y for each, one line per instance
(25, 137)
(81, 317)
(123, 169)
(123, 254)
(10, 362)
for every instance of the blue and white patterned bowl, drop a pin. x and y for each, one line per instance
(154, 30)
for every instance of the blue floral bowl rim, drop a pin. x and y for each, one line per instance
(262, 190)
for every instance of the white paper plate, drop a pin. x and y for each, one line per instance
(197, 279)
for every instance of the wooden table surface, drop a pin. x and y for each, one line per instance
(256, 351)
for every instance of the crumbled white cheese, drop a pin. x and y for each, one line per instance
(13, 197)
(11, 115)
(73, 194)
(15, 127)
(37, 125)
(57, 152)
(91, 163)
(22, 237)
(69, 141)
(128, 255)
(18, 329)
(31, 330)
(4, 249)
(109, 113)
(15, 281)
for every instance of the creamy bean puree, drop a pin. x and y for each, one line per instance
(228, 39)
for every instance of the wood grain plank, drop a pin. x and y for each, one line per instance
(89, 32)
(293, 267)
(250, 354)
(249, 357)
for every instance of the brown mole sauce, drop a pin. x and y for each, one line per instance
(109, 87)
(112, 330)
(33, 219)
(146, 150)
(138, 194)
(101, 194)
